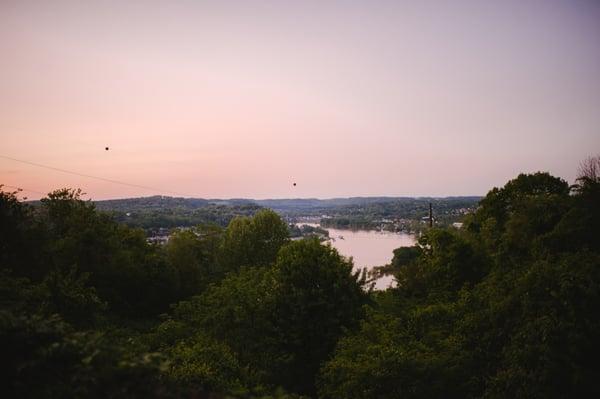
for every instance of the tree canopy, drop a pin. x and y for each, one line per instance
(504, 307)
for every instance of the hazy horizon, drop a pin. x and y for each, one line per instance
(240, 99)
(289, 198)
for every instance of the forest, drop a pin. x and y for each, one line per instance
(155, 212)
(505, 307)
(169, 212)
(399, 214)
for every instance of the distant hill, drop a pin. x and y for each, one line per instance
(155, 202)
(365, 212)
(166, 212)
(294, 205)
(300, 205)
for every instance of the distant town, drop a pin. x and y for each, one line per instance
(160, 216)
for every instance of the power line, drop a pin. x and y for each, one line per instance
(23, 189)
(39, 165)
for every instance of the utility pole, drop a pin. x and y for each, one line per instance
(430, 215)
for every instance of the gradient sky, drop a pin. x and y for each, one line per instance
(345, 98)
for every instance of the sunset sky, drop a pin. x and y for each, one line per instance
(345, 98)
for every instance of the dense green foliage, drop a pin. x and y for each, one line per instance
(195, 254)
(83, 301)
(305, 230)
(504, 307)
(398, 214)
(254, 241)
(390, 213)
(151, 213)
(374, 207)
(262, 313)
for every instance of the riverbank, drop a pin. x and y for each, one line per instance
(368, 248)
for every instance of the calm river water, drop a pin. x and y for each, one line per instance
(369, 248)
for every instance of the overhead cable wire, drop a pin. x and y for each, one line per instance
(23, 189)
(39, 165)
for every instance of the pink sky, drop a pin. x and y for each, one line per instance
(345, 98)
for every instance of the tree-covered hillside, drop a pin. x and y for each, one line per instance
(393, 213)
(167, 212)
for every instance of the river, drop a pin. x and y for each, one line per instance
(369, 248)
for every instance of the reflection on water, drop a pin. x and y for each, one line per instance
(369, 248)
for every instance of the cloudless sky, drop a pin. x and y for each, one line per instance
(346, 98)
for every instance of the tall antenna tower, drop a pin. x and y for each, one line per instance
(430, 215)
